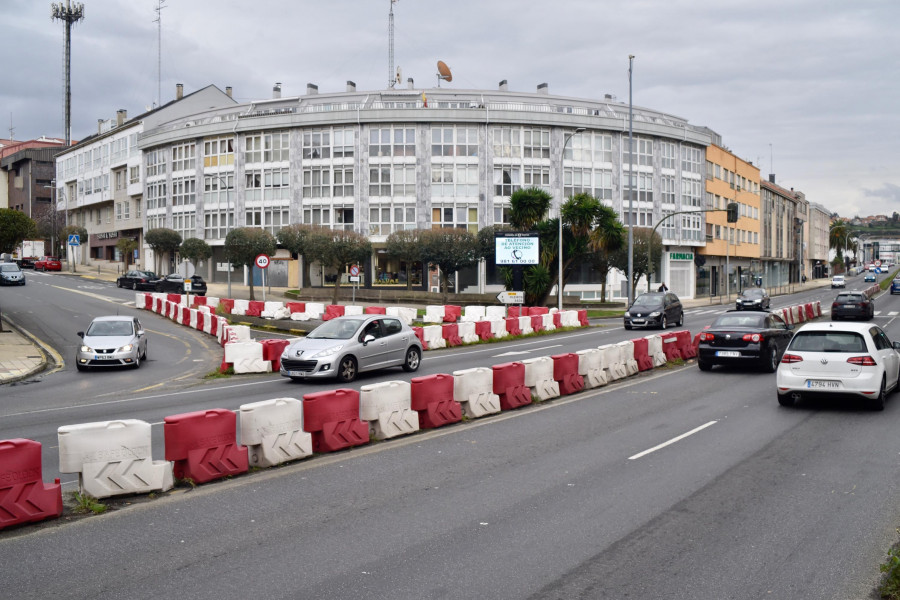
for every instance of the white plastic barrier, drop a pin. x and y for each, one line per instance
(273, 432)
(407, 315)
(315, 310)
(434, 336)
(247, 357)
(795, 314)
(434, 314)
(172, 309)
(212, 302)
(474, 390)
(236, 333)
(818, 308)
(569, 318)
(539, 377)
(590, 367)
(195, 318)
(387, 406)
(112, 458)
(498, 328)
(207, 322)
(467, 332)
(275, 310)
(626, 353)
(204, 309)
(141, 299)
(655, 350)
(525, 325)
(353, 310)
(495, 312)
(612, 362)
(240, 307)
(547, 319)
(473, 314)
(301, 316)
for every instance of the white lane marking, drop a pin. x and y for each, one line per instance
(514, 352)
(570, 336)
(893, 313)
(95, 296)
(672, 441)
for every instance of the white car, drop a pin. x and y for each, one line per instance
(839, 359)
(838, 281)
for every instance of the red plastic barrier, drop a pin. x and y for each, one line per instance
(450, 333)
(214, 325)
(332, 417)
(272, 350)
(24, 497)
(565, 372)
(557, 320)
(420, 333)
(333, 311)
(582, 317)
(788, 317)
(295, 307)
(374, 310)
(685, 344)
(670, 346)
(818, 307)
(509, 384)
(227, 305)
(696, 344)
(432, 398)
(199, 301)
(176, 298)
(537, 322)
(483, 330)
(642, 354)
(156, 305)
(203, 445)
(452, 313)
(538, 310)
(512, 326)
(255, 308)
(810, 311)
(185, 315)
(513, 311)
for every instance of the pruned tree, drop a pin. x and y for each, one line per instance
(127, 246)
(450, 250)
(406, 246)
(338, 249)
(195, 250)
(15, 226)
(244, 244)
(162, 240)
(301, 240)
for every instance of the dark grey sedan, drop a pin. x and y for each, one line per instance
(755, 338)
(753, 299)
(656, 309)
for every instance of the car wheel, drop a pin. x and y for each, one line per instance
(663, 323)
(704, 365)
(680, 319)
(137, 362)
(413, 358)
(146, 351)
(785, 400)
(770, 361)
(878, 403)
(134, 285)
(347, 370)
(118, 283)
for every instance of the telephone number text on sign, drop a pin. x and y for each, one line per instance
(517, 250)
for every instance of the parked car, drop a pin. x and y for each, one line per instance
(838, 282)
(48, 263)
(852, 304)
(11, 274)
(830, 360)
(113, 341)
(870, 277)
(654, 309)
(138, 280)
(174, 284)
(347, 346)
(753, 299)
(895, 285)
(755, 338)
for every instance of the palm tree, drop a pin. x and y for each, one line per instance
(839, 238)
(528, 206)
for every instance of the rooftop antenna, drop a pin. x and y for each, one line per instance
(443, 72)
(69, 14)
(12, 131)
(160, 4)
(391, 79)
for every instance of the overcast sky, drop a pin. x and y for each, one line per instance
(807, 89)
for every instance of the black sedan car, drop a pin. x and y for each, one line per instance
(137, 280)
(753, 299)
(656, 309)
(852, 305)
(747, 337)
(174, 284)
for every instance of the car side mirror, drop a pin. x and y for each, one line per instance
(81, 334)
(896, 345)
(369, 338)
(140, 332)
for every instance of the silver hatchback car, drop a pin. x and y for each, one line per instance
(113, 341)
(346, 346)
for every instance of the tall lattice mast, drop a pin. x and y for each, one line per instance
(158, 20)
(391, 75)
(69, 14)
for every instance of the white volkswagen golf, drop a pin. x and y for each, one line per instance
(839, 359)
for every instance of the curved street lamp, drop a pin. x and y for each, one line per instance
(559, 284)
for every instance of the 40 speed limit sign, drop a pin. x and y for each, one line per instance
(262, 261)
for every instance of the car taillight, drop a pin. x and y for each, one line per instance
(791, 358)
(865, 361)
(834, 305)
(752, 337)
(706, 337)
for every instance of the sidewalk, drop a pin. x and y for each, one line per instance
(20, 357)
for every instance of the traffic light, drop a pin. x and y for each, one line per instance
(732, 212)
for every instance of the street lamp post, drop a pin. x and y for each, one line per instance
(633, 183)
(559, 285)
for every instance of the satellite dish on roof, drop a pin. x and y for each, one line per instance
(443, 72)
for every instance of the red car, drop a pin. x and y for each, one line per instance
(48, 263)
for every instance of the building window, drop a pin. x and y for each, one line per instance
(536, 143)
(317, 143)
(276, 184)
(457, 216)
(276, 147)
(644, 184)
(217, 189)
(156, 162)
(333, 217)
(183, 156)
(454, 180)
(454, 141)
(538, 177)
(397, 141)
(507, 142)
(217, 223)
(691, 159)
(384, 219)
(270, 218)
(343, 183)
(643, 152)
(667, 185)
(134, 174)
(118, 211)
(344, 141)
(120, 179)
(218, 152)
(667, 155)
(317, 182)
(392, 180)
(586, 181)
(156, 195)
(253, 149)
(184, 223)
(691, 227)
(501, 214)
(691, 192)
(126, 209)
(587, 147)
(507, 180)
(184, 191)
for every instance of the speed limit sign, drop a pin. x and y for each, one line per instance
(262, 261)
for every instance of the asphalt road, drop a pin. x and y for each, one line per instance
(576, 498)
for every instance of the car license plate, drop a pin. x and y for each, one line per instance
(728, 353)
(298, 373)
(638, 321)
(103, 357)
(822, 384)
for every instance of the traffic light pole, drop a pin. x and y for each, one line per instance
(660, 222)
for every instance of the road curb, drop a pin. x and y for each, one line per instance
(37, 344)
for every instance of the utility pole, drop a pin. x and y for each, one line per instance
(633, 186)
(69, 15)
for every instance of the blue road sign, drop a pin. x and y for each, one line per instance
(74, 240)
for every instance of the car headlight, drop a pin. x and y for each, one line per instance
(627, 314)
(126, 348)
(327, 352)
(655, 314)
(86, 349)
